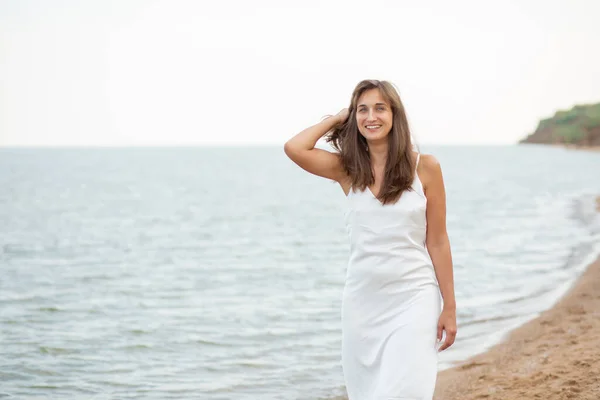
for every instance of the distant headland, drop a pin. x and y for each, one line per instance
(578, 127)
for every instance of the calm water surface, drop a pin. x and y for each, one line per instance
(197, 273)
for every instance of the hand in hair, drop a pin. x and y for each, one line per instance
(342, 116)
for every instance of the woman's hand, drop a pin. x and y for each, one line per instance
(342, 116)
(447, 322)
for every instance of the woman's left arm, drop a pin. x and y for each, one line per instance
(438, 246)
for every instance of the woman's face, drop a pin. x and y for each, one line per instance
(374, 115)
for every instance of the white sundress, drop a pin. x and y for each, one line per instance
(391, 299)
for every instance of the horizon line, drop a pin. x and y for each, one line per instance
(213, 145)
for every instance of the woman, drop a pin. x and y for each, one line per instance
(400, 258)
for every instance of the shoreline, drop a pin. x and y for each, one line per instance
(576, 147)
(554, 356)
(567, 146)
(580, 148)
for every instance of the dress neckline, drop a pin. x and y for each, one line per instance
(420, 191)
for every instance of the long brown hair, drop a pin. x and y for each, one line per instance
(352, 146)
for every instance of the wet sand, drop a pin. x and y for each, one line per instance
(555, 356)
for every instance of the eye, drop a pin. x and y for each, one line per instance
(381, 108)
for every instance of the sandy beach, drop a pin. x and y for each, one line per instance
(555, 356)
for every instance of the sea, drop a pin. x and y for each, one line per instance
(217, 273)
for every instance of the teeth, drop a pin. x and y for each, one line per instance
(373, 126)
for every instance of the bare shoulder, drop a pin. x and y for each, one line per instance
(429, 162)
(429, 170)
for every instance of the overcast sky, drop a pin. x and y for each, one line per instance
(128, 72)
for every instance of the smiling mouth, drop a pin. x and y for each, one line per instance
(372, 127)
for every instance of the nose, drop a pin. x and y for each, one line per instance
(371, 116)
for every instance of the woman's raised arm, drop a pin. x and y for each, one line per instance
(301, 149)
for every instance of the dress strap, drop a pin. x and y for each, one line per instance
(417, 179)
(417, 163)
